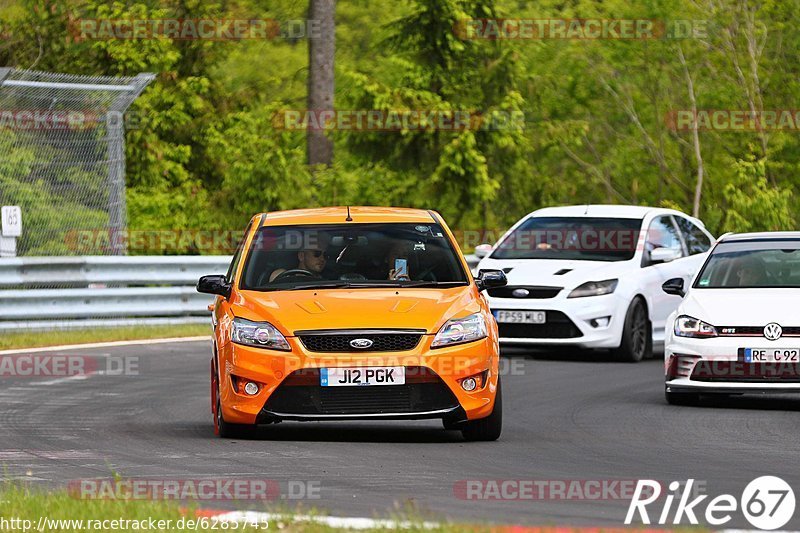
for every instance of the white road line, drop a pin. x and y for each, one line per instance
(206, 338)
(76, 377)
(330, 521)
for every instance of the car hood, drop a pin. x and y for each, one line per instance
(380, 308)
(556, 272)
(743, 307)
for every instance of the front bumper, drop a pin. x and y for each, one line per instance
(271, 368)
(580, 312)
(716, 365)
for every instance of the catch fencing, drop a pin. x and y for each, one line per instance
(62, 155)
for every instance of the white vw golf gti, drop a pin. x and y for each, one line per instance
(591, 276)
(737, 329)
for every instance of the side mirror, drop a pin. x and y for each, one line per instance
(664, 255)
(674, 286)
(491, 279)
(216, 284)
(482, 250)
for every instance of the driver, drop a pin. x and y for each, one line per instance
(750, 272)
(311, 258)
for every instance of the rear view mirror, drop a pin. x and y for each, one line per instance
(664, 255)
(482, 250)
(216, 284)
(674, 286)
(491, 279)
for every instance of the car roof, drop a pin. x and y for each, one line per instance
(759, 236)
(602, 210)
(338, 215)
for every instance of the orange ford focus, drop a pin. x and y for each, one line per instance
(353, 313)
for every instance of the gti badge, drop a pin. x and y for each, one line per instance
(520, 293)
(773, 331)
(361, 344)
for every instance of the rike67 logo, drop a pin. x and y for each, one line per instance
(767, 503)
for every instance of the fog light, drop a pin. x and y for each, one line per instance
(600, 322)
(469, 384)
(251, 388)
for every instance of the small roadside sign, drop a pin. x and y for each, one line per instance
(11, 216)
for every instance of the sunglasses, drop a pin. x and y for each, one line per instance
(317, 253)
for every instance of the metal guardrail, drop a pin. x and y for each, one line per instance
(83, 271)
(96, 291)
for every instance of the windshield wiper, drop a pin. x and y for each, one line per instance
(432, 283)
(367, 285)
(317, 285)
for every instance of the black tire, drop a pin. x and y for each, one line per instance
(682, 398)
(637, 334)
(223, 429)
(448, 425)
(489, 428)
(226, 430)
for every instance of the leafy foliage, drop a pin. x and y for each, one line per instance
(595, 124)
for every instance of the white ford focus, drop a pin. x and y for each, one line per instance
(591, 276)
(737, 329)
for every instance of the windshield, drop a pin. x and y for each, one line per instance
(350, 255)
(575, 238)
(747, 265)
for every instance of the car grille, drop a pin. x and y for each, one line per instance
(755, 331)
(533, 292)
(739, 372)
(337, 341)
(557, 326)
(302, 395)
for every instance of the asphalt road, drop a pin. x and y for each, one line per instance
(567, 417)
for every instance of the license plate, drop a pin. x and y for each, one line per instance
(772, 355)
(521, 317)
(362, 376)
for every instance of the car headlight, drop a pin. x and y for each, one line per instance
(258, 334)
(460, 330)
(594, 288)
(687, 326)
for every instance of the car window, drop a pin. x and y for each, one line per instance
(358, 255)
(662, 233)
(696, 240)
(774, 264)
(237, 256)
(572, 238)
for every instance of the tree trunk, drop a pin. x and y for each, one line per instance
(698, 191)
(321, 48)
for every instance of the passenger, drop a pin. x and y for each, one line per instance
(398, 250)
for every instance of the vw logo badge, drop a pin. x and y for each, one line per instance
(773, 331)
(520, 293)
(361, 344)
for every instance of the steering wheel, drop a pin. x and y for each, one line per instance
(292, 272)
(347, 276)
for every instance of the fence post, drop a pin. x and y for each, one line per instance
(117, 203)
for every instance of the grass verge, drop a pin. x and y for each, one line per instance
(36, 339)
(25, 509)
